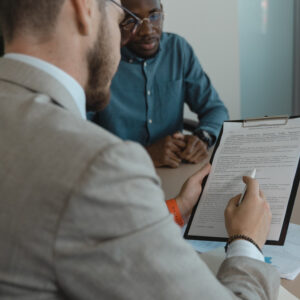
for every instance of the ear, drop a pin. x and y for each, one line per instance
(83, 10)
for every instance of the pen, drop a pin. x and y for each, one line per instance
(253, 173)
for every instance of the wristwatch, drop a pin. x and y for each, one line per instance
(205, 137)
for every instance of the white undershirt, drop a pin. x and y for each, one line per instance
(244, 248)
(73, 87)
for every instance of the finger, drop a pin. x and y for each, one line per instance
(174, 148)
(233, 203)
(192, 149)
(197, 145)
(267, 206)
(180, 143)
(265, 202)
(200, 152)
(262, 195)
(178, 135)
(252, 187)
(198, 156)
(173, 156)
(200, 174)
(173, 163)
(171, 160)
(189, 147)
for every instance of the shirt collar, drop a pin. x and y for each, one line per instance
(73, 87)
(130, 56)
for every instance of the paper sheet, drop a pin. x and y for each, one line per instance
(272, 150)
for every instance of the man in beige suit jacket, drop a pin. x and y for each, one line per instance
(82, 214)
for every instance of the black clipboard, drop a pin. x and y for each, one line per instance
(279, 120)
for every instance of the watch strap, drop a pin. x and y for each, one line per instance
(205, 137)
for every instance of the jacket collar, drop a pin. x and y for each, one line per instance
(37, 80)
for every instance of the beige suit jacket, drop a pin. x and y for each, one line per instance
(82, 213)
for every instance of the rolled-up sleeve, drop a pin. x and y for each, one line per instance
(201, 96)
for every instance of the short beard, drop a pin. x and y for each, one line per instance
(99, 64)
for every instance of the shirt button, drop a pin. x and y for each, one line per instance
(130, 61)
(149, 92)
(150, 121)
(145, 64)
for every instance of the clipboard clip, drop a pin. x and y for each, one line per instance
(266, 121)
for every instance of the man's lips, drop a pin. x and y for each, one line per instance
(148, 44)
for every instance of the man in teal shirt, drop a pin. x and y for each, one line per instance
(158, 73)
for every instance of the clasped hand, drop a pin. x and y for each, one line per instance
(170, 151)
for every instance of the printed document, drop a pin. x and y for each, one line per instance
(273, 150)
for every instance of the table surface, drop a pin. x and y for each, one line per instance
(172, 180)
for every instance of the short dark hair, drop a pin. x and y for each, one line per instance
(36, 15)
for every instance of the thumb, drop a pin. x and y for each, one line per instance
(252, 187)
(178, 135)
(204, 171)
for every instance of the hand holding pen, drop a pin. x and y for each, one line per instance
(252, 175)
(249, 214)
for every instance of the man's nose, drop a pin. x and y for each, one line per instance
(145, 28)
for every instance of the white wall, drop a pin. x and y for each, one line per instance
(211, 27)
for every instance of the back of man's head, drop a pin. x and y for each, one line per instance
(17, 16)
(61, 32)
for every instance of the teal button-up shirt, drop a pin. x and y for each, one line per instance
(148, 95)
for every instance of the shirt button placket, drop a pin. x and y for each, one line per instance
(148, 99)
(150, 121)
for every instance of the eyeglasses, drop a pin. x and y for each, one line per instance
(155, 19)
(133, 22)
